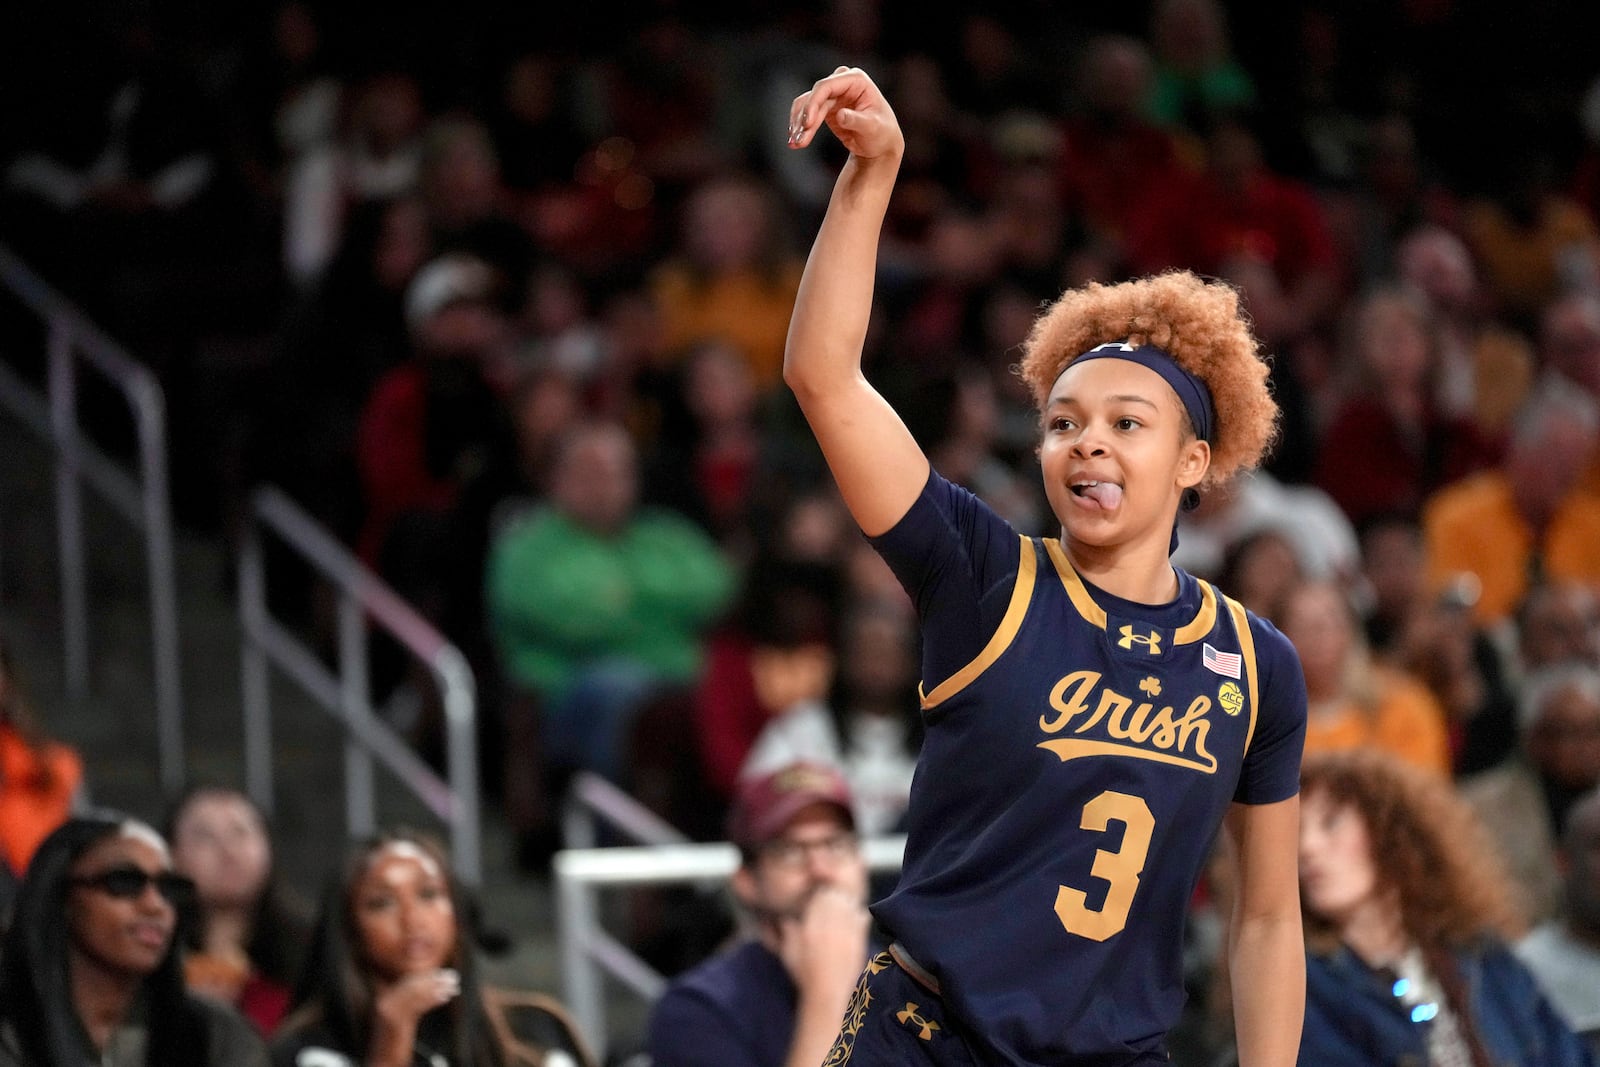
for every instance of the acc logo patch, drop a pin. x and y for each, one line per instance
(1231, 698)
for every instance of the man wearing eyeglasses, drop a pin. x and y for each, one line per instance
(776, 998)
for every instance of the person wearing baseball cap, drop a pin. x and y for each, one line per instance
(775, 998)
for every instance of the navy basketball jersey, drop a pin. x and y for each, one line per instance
(1071, 784)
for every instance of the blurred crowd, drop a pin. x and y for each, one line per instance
(502, 298)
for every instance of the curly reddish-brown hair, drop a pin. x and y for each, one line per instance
(1197, 322)
(1427, 844)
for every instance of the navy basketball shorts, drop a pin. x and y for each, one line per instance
(893, 1019)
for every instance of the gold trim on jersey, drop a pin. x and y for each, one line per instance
(1196, 628)
(1005, 633)
(1247, 645)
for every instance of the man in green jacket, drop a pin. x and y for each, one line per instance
(596, 607)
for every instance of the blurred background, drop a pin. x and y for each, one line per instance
(479, 286)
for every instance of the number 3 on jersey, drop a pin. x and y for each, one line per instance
(1120, 868)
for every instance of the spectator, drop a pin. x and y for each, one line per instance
(391, 978)
(1532, 241)
(1355, 703)
(1238, 218)
(1460, 664)
(1558, 623)
(460, 183)
(1262, 570)
(535, 136)
(1569, 350)
(596, 607)
(775, 999)
(707, 469)
(1195, 72)
(733, 277)
(113, 192)
(245, 941)
(374, 157)
(1387, 445)
(869, 727)
(1564, 953)
(1319, 535)
(40, 779)
(1530, 516)
(1569, 340)
(962, 436)
(1434, 638)
(1482, 371)
(1114, 154)
(776, 653)
(1396, 217)
(434, 445)
(1408, 921)
(90, 971)
(1393, 590)
(1525, 800)
(335, 343)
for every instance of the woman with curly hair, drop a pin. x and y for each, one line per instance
(90, 969)
(1408, 918)
(391, 980)
(1094, 714)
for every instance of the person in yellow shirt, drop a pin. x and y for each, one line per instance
(1530, 519)
(733, 281)
(1354, 702)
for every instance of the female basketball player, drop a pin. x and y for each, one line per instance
(1094, 714)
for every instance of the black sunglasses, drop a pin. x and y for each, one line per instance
(128, 883)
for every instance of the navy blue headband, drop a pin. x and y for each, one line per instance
(1192, 392)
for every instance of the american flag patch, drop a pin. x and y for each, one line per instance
(1221, 662)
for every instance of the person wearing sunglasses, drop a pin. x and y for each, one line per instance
(90, 969)
(1408, 920)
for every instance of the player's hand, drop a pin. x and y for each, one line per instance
(854, 108)
(825, 946)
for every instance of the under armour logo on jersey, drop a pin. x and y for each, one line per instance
(909, 1017)
(1151, 641)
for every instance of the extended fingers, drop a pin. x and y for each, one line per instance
(440, 986)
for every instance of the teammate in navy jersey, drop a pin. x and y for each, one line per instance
(1094, 714)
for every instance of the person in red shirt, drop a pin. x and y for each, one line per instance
(1238, 219)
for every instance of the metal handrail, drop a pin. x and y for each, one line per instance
(587, 949)
(344, 693)
(143, 500)
(592, 800)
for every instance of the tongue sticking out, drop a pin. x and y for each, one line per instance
(1106, 494)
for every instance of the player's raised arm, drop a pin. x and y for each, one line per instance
(876, 462)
